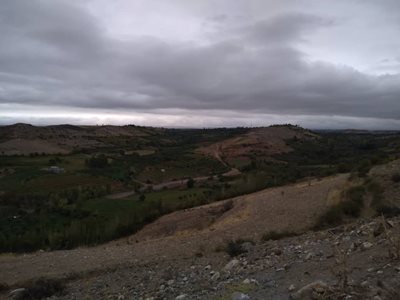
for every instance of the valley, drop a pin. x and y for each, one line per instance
(187, 198)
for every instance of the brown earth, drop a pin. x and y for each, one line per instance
(25, 147)
(24, 139)
(291, 208)
(264, 141)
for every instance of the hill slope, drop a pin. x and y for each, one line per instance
(18, 138)
(260, 142)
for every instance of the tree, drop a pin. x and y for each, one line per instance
(190, 183)
(364, 168)
(97, 162)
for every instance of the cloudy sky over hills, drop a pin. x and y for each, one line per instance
(320, 64)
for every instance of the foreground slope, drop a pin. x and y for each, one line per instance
(293, 208)
(350, 262)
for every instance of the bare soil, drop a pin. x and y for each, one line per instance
(264, 141)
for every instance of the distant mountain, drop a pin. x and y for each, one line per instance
(228, 143)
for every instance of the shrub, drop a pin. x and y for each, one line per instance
(352, 207)
(273, 235)
(364, 168)
(43, 288)
(388, 211)
(343, 167)
(377, 193)
(396, 177)
(333, 217)
(354, 204)
(3, 287)
(234, 248)
(190, 183)
(97, 162)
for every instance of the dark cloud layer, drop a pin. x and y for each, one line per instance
(58, 54)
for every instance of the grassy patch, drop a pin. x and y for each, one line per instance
(56, 182)
(170, 166)
(351, 207)
(376, 191)
(177, 199)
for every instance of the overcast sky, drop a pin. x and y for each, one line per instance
(320, 64)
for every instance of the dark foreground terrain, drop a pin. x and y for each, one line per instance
(356, 261)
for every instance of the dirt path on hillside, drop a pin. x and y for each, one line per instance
(171, 184)
(184, 233)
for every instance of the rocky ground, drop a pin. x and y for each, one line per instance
(355, 261)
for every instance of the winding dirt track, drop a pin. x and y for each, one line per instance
(171, 184)
(182, 234)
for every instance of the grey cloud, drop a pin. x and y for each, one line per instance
(56, 54)
(285, 28)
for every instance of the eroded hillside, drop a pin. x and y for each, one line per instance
(262, 142)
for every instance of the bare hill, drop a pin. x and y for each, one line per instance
(292, 208)
(27, 139)
(24, 147)
(265, 141)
